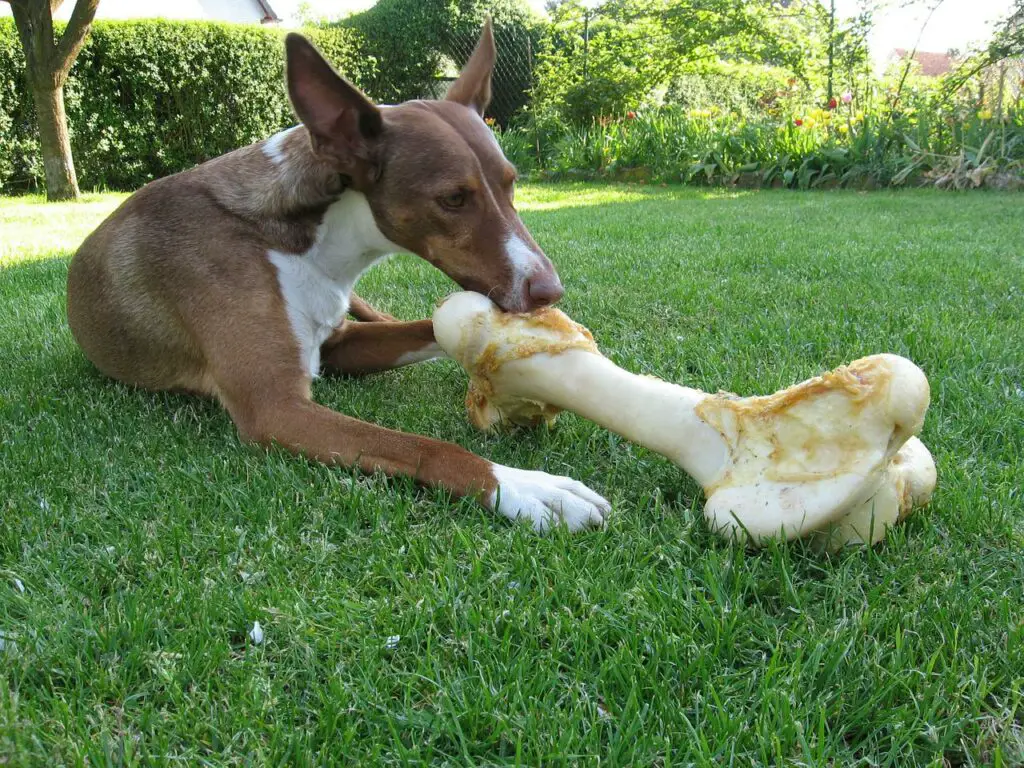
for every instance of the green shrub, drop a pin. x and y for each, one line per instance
(149, 98)
(805, 149)
(519, 147)
(405, 37)
(419, 42)
(746, 89)
(589, 68)
(20, 163)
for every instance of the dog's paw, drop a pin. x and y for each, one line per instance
(546, 500)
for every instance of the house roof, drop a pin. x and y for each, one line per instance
(932, 64)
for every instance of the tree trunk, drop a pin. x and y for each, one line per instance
(47, 62)
(61, 182)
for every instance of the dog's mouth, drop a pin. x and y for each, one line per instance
(523, 298)
(516, 291)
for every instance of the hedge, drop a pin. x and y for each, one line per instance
(415, 41)
(149, 98)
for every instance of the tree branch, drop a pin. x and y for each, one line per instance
(73, 39)
(910, 58)
(35, 30)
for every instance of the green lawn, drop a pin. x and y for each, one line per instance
(139, 540)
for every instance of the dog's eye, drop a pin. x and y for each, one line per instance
(454, 200)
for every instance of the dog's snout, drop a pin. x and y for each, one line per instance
(531, 281)
(545, 289)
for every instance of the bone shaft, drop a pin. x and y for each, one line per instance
(651, 412)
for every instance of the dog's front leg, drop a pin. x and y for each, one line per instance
(311, 430)
(355, 349)
(256, 371)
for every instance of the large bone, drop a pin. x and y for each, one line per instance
(833, 458)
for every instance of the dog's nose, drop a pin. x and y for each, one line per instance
(545, 289)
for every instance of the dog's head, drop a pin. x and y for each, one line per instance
(435, 178)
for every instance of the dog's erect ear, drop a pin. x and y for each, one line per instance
(341, 121)
(473, 88)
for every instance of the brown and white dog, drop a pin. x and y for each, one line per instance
(233, 279)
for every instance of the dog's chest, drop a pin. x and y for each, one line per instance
(315, 304)
(316, 285)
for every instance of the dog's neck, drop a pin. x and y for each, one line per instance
(319, 236)
(279, 187)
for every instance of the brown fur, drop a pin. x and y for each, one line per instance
(360, 309)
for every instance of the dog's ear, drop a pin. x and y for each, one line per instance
(473, 88)
(342, 122)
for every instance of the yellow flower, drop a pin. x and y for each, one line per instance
(859, 117)
(844, 129)
(985, 114)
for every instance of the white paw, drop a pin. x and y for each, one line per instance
(547, 500)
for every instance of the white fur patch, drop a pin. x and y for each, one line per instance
(315, 304)
(274, 147)
(524, 260)
(316, 284)
(431, 351)
(546, 500)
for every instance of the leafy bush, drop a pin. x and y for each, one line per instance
(20, 163)
(417, 42)
(150, 98)
(146, 99)
(590, 67)
(405, 37)
(743, 88)
(810, 149)
(519, 146)
(629, 54)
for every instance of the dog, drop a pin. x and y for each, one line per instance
(233, 279)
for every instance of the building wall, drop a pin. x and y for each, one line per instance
(240, 11)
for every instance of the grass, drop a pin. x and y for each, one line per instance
(147, 539)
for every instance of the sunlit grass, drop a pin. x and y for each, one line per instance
(139, 540)
(31, 228)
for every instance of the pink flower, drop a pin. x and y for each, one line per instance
(798, 122)
(847, 97)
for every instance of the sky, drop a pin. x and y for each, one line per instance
(956, 23)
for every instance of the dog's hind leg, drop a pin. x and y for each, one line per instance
(356, 349)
